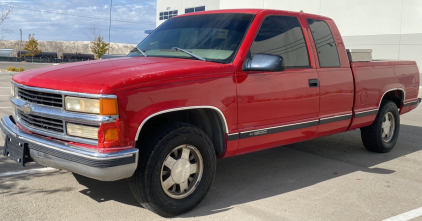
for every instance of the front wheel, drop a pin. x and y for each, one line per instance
(175, 170)
(381, 136)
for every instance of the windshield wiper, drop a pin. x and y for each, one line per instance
(189, 53)
(142, 52)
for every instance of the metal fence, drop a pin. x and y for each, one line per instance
(40, 60)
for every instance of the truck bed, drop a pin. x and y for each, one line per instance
(376, 78)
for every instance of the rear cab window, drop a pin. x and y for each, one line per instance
(283, 36)
(324, 43)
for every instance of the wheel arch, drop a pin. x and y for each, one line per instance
(396, 95)
(208, 118)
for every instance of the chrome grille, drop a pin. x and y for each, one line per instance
(43, 123)
(43, 98)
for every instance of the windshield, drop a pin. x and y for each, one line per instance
(215, 37)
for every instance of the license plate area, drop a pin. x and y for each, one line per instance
(17, 150)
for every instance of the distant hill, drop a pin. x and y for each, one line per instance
(67, 47)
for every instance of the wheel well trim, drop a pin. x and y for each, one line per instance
(393, 89)
(222, 117)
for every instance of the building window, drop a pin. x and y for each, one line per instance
(189, 10)
(195, 9)
(200, 9)
(168, 14)
(172, 13)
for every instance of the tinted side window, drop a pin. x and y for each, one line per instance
(325, 44)
(282, 35)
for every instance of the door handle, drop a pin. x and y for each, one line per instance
(313, 83)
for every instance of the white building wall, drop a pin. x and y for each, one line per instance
(391, 28)
(229, 4)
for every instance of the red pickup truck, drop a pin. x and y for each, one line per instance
(203, 86)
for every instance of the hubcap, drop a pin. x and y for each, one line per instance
(388, 126)
(181, 171)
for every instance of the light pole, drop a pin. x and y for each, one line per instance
(109, 29)
(20, 44)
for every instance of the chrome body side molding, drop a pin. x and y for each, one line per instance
(366, 113)
(335, 118)
(411, 103)
(278, 129)
(233, 136)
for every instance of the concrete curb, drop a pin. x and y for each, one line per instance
(8, 73)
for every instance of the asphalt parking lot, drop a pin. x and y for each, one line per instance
(330, 178)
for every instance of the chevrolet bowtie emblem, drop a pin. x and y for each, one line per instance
(27, 109)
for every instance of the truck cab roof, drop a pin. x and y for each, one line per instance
(256, 11)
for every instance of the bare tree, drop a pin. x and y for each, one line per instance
(6, 9)
(93, 33)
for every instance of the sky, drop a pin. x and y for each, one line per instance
(72, 20)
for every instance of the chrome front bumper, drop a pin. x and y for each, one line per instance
(83, 161)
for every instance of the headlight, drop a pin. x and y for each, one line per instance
(82, 105)
(12, 90)
(92, 106)
(82, 131)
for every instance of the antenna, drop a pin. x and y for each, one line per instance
(109, 29)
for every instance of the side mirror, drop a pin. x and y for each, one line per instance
(264, 62)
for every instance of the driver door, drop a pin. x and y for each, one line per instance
(276, 108)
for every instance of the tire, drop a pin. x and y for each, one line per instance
(152, 175)
(374, 138)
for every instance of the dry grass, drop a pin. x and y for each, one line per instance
(15, 69)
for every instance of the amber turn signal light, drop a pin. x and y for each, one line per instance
(111, 134)
(108, 107)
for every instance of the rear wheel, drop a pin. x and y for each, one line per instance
(175, 170)
(381, 136)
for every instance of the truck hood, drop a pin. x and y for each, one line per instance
(109, 75)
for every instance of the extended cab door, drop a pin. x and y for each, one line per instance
(335, 76)
(276, 108)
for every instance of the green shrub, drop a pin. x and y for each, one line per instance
(20, 69)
